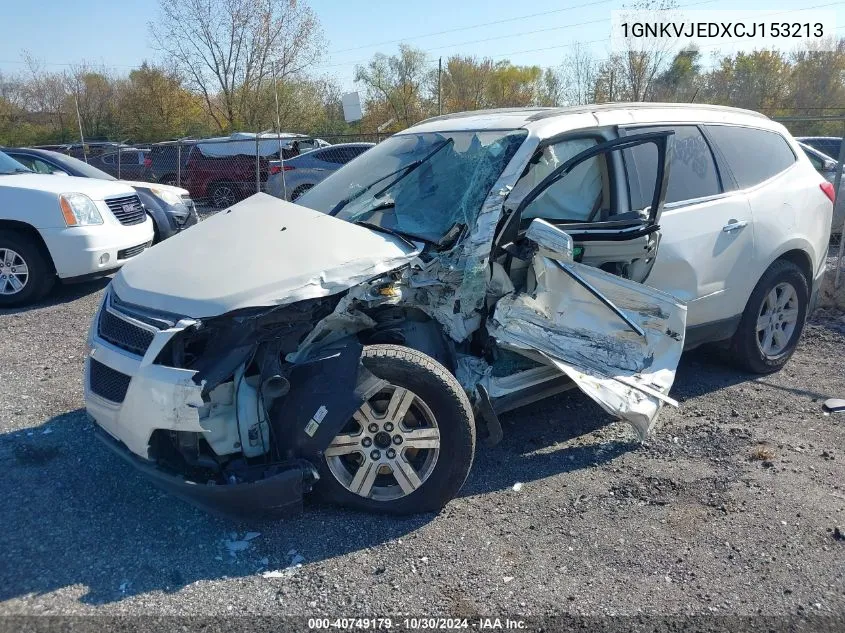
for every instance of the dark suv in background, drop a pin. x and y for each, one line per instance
(825, 144)
(166, 158)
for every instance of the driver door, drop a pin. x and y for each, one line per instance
(618, 340)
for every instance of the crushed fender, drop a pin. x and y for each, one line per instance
(621, 348)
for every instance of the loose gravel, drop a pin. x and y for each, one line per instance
(736, 506)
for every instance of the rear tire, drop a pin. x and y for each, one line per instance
(422, 470)
(20, 251)
(767, 334)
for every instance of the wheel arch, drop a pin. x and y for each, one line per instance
(801, 258)
(411, 328)
(32, 232)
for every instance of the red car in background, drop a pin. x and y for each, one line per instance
(222, 172)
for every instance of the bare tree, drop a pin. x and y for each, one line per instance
(226, 50)
(47, 93)
(551, 89)
(95, 92)
(637, 66)
(579, 73)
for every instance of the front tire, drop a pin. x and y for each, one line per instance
(25, 274)
(773, 320)
(224, 194)
(410, 447)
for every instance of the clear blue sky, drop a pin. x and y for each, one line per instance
(114, 32)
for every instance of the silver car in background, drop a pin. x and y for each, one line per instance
(827, 167)
(300, 173)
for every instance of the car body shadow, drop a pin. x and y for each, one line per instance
(61, 294)
(77, 515)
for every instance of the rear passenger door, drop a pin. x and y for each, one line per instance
(706, 228)
(783, 194)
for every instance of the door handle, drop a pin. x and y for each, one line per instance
(734, 225)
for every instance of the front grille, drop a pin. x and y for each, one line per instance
(123, 334)
(107, 382)
(127, 209)
(126, 253)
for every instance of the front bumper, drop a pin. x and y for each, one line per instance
(275, 497)
(138, 404)
(164, 397)
(77, 251)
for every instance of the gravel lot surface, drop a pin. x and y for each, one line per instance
(737, 506)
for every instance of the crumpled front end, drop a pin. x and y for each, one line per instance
(211, 410)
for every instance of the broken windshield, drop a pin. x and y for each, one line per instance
(419, 185)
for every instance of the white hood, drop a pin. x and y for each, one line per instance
(262, 251)
(91, 187)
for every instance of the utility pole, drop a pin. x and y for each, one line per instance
(439, 73)
(79, 120)
(279, 133)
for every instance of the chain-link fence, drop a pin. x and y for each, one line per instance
(221, 171)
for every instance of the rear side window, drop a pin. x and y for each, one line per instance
(692, 171)
(340, 155)
(818, 163)
(752, 155)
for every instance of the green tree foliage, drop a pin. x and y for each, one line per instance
(397, 87)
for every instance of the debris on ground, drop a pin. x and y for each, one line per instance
(296, 560)
(234, 544)
(517, 486)
(761, 453)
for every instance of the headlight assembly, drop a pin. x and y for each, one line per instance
(169, 197)
(79, 210)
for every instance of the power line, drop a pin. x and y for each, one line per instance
(568, 45)
(473, 26)
(454, 45)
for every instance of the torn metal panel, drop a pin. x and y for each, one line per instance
(456, 282)
(471, 371)
(260, 252)
(622, 351)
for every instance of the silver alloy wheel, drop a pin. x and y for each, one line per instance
(389, 448)
(777, 319)
(223, 196)
(14, 273)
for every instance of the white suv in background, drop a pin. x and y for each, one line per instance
(71, 228)
(467, 266)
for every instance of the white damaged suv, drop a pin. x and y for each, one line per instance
(73, 229)
(354, 343)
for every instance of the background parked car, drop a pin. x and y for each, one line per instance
(825, 144)
(827, 166)
(66, 227)
(165, 167)
(223, 170)
(133, 164)
(306, 170)
(223, 181)
(91, 148)
(171, 208)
